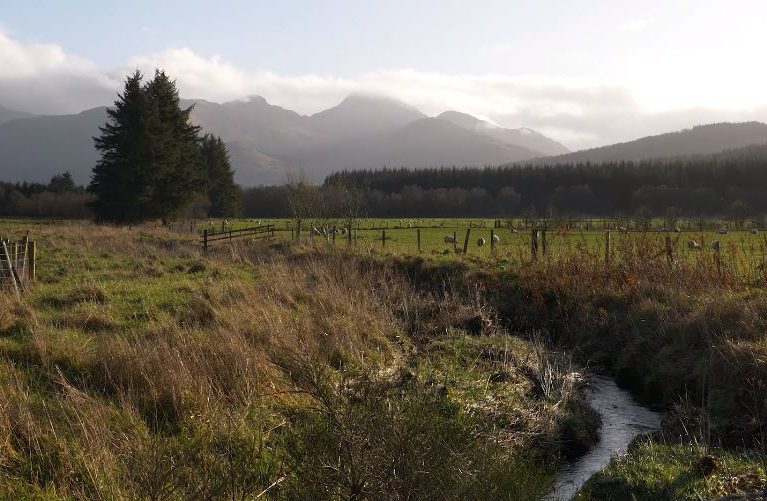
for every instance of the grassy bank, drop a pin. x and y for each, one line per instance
(135, 368)
(680, 336)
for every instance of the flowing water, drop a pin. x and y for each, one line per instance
(622, 421)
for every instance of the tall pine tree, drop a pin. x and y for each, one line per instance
(178, 167)
(116, 179)
(223, 193)
(151, 165)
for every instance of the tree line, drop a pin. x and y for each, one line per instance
(59, 198)
(729, 184)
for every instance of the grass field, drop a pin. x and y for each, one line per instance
(741, 253)
(137, 367)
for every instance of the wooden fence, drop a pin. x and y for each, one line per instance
(209, 237)
(17, 265)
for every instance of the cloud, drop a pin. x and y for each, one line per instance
(635, 26)
(581, 112)
(42, 78)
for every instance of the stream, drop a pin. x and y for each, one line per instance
(622, 421)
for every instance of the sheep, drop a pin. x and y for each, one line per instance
(715, 245)
(496, 239)
(754, 231)
(449, 239)
(692, 244)
(723, 230)
(480, 242)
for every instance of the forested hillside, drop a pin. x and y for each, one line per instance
(732, 181)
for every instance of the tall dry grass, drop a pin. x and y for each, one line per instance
(194, 399)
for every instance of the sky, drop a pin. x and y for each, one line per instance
(585, 72)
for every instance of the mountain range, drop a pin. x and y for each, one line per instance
(267, 143)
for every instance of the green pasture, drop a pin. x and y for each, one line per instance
(741, 251)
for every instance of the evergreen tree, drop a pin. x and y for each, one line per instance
(223, 193)
(177, 167)
(116, 179)
(62, 183)
(150, 165)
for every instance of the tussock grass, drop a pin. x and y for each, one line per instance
(137, 369)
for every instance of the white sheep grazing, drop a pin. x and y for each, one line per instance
(480, 242)
(715, 245)
(496, 238)
(692, 244)
(723, 230)
(449, 239)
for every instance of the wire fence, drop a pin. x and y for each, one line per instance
(17, 265)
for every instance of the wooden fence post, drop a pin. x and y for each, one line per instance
(607, 247)
(466, 241)
(543, 239)
(455, 241)
(205, 241)
(383, 236)
(418, 238)
(24, 257)
(32, 261)
(492, 242)
(534, 244)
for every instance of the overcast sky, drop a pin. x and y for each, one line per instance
(585, 72)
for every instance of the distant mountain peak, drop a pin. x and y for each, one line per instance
(365, 98)
(462, 119)
(255, 98)
(524, 137)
